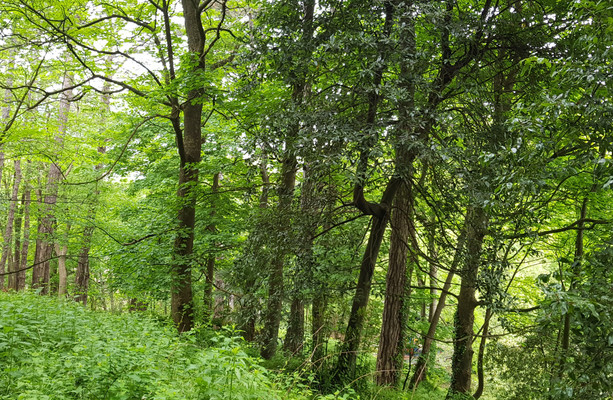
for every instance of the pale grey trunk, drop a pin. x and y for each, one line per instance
(8, 232)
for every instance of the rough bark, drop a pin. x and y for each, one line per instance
(390, 357)
(189, 142)
(461, 363)
(8, 232)
(574, 276)
(346, 363)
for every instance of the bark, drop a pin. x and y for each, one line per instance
(574, 276)
(346, 363)
(286, 193)
(46, 228)
(461, 364)
(23, 259)
(305, 271)
(353, 335)
(82, 273)
(421, 368)
(189, 142)
(294, 338)
(210, 261)
(480, 356)
(390, 355)
(8, 232)
(13, 280)
(275, 279)
(61, 250)
(319, 333)
(433, 255)
(250, 302)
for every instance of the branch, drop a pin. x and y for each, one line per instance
(573, 226)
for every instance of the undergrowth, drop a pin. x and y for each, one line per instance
(58, 350)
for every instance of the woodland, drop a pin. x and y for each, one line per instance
(306, 199)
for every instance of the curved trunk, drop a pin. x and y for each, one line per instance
(390, 355)
(461, 364)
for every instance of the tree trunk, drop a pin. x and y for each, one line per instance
(61, 250)
(8, 232)
(319, 334)
(421, 368)
(23, 259)
(46, 227)
(433, 255)
(353, 335)
(82, 274)
(461, 365)
(210, 261)
(481, 355)
(249, 303)
(390, 355)
(189, 143)
(275, 279)
(294, 338)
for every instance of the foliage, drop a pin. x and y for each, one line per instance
(52, 350)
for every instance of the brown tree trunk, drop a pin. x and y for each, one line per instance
(294, 338)
(461, 365)
(390, 355)
(82, 273)
(353, 335)
(189, 144)
(8, 232)
(249, 305)
(421, 368)
(275, 279)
